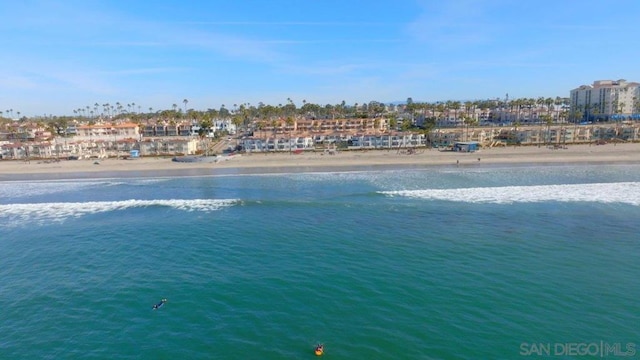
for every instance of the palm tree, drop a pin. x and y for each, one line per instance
(237, 121)
(455, 106)
(577, 114)
(595, 110)
(557, 102)
(635, 108)
(393, 123)
(260, 126)
(468, 121)
(468, 106)
(516, 125)
(185, 101)
(540, 101)
(548, 121)
(289, 122)
(274, 123)
(205, 126)
(549, 102)
(376, 127)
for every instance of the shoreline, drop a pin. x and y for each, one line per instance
(367, 160)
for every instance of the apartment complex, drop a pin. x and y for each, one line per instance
(606, 100)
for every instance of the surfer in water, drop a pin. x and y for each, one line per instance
(158, 305)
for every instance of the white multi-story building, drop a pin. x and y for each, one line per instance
(107, 132)
(606, 99)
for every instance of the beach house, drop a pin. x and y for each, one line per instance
(168, 146)
(466, 146)
(107, 132)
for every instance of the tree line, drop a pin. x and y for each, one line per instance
(266, 114)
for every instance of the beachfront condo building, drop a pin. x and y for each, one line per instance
(606, 100)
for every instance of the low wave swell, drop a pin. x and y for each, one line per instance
(60, 211)
(623, 192)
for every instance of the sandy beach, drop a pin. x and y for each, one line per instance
(318, 161)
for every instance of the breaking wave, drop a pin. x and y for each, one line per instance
(14, 213)
(623, 192)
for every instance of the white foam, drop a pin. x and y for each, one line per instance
(20, 189)
(25, 189)
(60, 211)
(623, 192)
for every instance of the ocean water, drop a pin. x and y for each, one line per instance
(441, 263)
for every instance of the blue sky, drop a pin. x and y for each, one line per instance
(57, 56)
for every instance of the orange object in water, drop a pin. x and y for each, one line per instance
(319, 350)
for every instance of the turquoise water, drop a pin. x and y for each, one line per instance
(416, 264)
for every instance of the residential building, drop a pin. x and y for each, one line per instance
(168, 146)
(606, 100)
(107, 132)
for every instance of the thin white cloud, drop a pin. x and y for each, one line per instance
(286, 23)
(513, 64)
(336, 41)
(238, 42)
(129, 44)
(421, 71)
(185, 38)
(406, 69)
(451, 23)
(82, 81)
(17, 82)
(319, 69)
(106, 26)
(140, 71)
(581, 27)
(42, 75)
